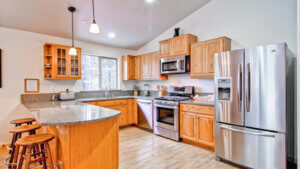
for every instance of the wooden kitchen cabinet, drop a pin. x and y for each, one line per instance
(128, 107)
(137, 67)
(164, 48)
(150, 67)
(202, 56)
(128, 67)
(197, 124)
(58, 64)
(205, 129)
(180, 45)
(188, 126)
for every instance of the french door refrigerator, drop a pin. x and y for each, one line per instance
(254, 107)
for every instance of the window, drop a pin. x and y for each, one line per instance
(99, 73)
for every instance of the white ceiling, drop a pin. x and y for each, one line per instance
(133, 21)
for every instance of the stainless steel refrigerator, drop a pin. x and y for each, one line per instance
(254, 107)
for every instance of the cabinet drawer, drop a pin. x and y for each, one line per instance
(109, 103)
(208, 110)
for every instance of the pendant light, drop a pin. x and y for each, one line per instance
(94, 28)
(72, 50)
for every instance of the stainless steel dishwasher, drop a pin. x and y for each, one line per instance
(145, 114)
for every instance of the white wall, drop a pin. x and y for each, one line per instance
(247, 22)
(23, 58)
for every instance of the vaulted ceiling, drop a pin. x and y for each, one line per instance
(135, 22)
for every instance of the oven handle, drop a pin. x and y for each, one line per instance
(166, 106)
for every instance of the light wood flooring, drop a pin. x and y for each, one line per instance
(143, 150)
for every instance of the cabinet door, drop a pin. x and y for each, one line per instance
(188, 125)
(137, 67)
(213, 47)
(146, 66)
(61, 61)
(128, 69)
(74, 65)
(197, 60)
(123, 120)
(205, 129)
(132, 111)
(164, 48)
(155, 65)
(179, 46)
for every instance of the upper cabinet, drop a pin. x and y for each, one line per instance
(180, 45)
(202, 56)
(58, 64)
(164, 48)
(150, 67)
(142, 67)
(128, 64)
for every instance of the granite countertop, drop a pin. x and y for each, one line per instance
(114, 98)
(204, 103)
(53, 113)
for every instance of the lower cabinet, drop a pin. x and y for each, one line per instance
(197, 124)
(128, 107)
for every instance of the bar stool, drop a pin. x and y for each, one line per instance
(19, 122)
(17, 134)
(28, 144)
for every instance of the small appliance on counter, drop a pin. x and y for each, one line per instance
(135, 90)
(166, 111)
(146, 91)
(67, 95)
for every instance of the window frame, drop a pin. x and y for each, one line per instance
(100, 68)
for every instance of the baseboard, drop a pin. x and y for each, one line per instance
(209, 148)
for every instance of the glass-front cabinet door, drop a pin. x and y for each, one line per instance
(75, 68)
(61, 61)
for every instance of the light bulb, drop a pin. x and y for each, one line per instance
(94, 28)
(72, 51)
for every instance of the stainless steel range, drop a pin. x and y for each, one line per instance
(166, 111)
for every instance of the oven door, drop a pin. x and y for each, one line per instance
(166, 116)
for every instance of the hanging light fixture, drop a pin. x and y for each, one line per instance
(94, 28)
(72, 50)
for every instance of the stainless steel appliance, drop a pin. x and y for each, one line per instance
(166, 111)
(176, 64)
(145, 115)
(255, 106)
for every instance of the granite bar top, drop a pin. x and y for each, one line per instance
(53, 113)
(204, 103)
(114, 98)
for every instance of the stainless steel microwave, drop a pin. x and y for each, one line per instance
(176, 64)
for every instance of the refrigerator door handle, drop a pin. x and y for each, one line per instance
(248, 87)
(247, 132)
(239, 87)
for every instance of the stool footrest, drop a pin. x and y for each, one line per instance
(39, 166)
(5, 162)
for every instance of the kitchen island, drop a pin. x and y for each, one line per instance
(86, 136)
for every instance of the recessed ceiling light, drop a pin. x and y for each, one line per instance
(111, 35)
(150, 1)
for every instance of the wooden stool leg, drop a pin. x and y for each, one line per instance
(28, 156)
(12, 142)
(13, 147)
(15, 157)
(23, 153)
(43, 156)
(49, 155)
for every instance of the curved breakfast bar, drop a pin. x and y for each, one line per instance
(86, 136)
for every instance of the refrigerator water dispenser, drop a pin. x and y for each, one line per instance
(224, 89)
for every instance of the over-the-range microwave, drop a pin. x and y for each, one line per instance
(174, 65)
